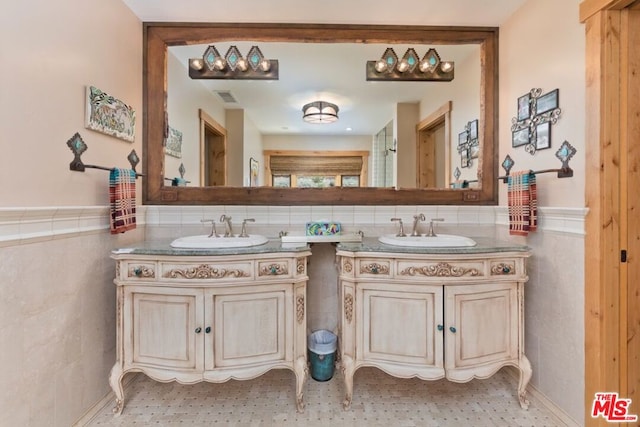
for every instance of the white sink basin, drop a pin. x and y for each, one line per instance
(439, 241)
(206, 242)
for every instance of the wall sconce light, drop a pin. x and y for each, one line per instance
(320, 112)
(233, 65)
(410, 68)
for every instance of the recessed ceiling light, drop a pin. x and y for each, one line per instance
(348, 129)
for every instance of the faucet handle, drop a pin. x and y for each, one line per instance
(243, 231)
(401, 231)
(431, 232)
(213, 227)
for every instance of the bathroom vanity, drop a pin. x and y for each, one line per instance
(210, 315)
(432, 313)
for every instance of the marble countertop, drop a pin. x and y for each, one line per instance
(484, 245)
(162, 247)
(368, 244)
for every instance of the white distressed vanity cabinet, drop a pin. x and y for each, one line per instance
(189, 318)
(456, 315)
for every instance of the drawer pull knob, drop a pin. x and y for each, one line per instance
(452, 329)
(440, 327)
(198, 330)
(207, 329)
(506, 269)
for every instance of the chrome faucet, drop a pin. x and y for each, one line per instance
(431, 232)
(243, 232)
(416, 221)
(213, 227)
(227, 224)
(401, 231)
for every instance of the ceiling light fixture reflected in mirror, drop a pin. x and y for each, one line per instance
(320, 112)
(410, 68)
(233, 65)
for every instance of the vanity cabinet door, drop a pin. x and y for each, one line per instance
(249, 325)
(481, 329)
(400, 324)
(163, 328)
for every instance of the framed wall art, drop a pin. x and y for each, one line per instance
(253, 172)
(547, 102)
(531, 127)
(109, 115)
(543, 136)
(174, 143)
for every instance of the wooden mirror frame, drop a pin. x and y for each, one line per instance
(158, 36)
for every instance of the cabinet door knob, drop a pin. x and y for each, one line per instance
(207, 329)
(452, 329)
(198, 330)
(440, 327)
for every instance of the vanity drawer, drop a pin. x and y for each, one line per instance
(373, 267)
(441, 271)
(504, 267)
(212, 271)
(273, 268)
(136, 270)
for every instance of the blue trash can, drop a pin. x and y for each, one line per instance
(322, 354)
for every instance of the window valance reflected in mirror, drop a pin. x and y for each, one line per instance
(405, 133)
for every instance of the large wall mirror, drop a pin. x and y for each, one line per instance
(256, 124)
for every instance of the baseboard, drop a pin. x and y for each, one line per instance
(108, 399)
(537, 395)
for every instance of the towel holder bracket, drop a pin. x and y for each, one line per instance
(564, 154)
(78, 147)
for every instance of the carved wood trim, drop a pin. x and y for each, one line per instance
(503, 269)
(348, 307)
(374, 268)
(205, 271)
(141, 271)
(347, 267)
(300, 265)
(300, 308)
(442, 269)
(274, 270)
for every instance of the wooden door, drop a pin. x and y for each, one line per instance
(213, 151)
(400, 324)
(612, 288)
(630, 338)
(163, 327)
(433, 158)
(481, 327)
(427, 162)
(216, 158)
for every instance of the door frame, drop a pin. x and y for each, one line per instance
(208, 122)
(432, 120)
(607, 305)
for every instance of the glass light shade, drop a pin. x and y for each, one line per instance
(242, 64)
(446, 66)
(381, 66)
(197, 64)
(403, 65)
(320, 112)
(265, 65)
(219, 64)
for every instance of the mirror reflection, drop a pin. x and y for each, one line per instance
(389, 134)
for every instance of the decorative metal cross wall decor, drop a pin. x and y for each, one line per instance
(536, 114)
(468, 145)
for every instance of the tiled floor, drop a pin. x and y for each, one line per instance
(379, 400)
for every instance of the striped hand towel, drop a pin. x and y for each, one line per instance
(122, 198)
(523, 203)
